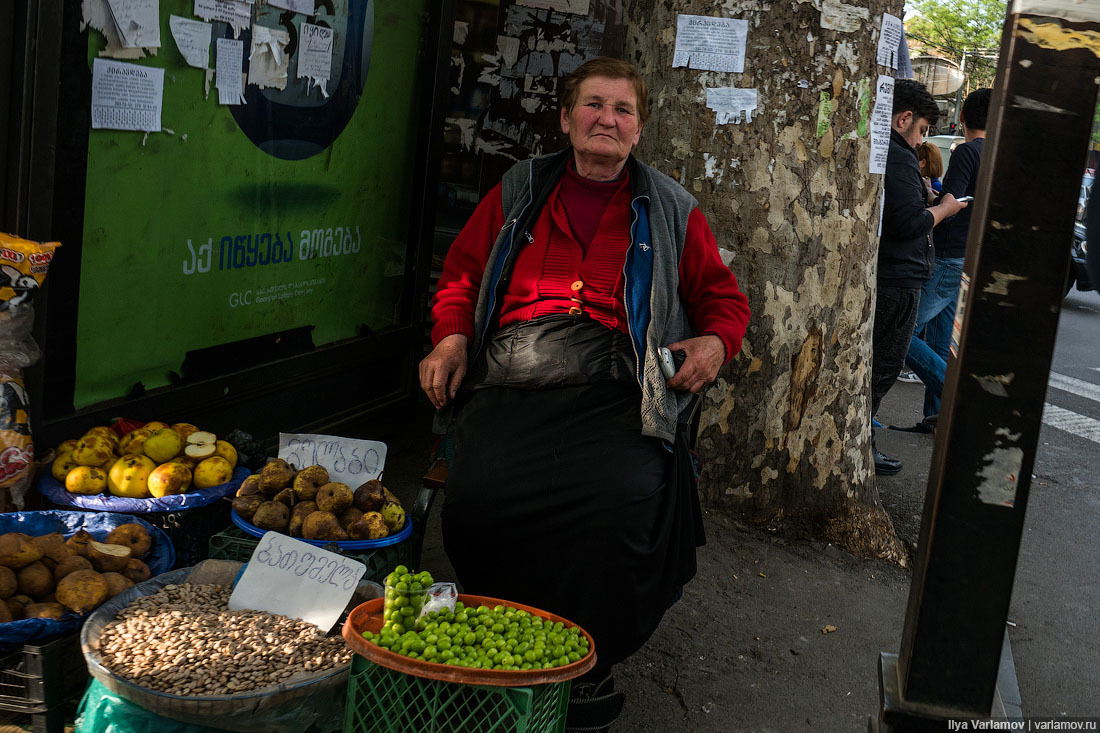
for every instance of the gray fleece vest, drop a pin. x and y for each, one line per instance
(651, 273)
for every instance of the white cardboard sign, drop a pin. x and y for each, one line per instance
(297, 580)
(347, 460)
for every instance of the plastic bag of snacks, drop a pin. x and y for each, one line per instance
(23, 267)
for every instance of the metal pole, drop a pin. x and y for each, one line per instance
(959, 95)
(1011, 294)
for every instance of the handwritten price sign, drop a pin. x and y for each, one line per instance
(347, 460)
(294, 579)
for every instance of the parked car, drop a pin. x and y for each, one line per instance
(1078, 272)
(1083, 195)
(946, 144)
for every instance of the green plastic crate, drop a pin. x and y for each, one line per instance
(381, 700)
(234, 544)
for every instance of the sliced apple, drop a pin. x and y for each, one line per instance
(201, 445)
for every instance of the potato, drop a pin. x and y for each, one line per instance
(53, 546)
(15, 609)
(44, 610)
(18, 550)
(5, 614)
(108, 558)
(9, 583)
(71, 565)
(131, 535)
(137, 571)
(78, 543)
(116, 583)
(81, 591)
(35, 580)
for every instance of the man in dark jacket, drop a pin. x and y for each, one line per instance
(936, 314)
(905, 253)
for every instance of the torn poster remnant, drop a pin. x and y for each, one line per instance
(137, 22)
(267, 60)
(730, 103)
(579, 7)
(838, 16)
(96, 14)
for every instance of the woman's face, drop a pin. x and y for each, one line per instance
(604, 123)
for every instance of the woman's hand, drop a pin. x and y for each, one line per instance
(703, 357)
(442, 371)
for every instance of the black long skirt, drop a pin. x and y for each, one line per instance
(556, 500)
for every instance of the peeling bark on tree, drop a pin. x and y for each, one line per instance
(785, 431)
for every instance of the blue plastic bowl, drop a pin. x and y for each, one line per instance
(393, 539)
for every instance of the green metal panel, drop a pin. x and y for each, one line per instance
(199, 237)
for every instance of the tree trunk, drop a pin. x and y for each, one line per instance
(785, 431)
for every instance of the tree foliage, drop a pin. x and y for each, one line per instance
(958, 28)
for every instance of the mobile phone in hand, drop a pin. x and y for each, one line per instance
(670, 363)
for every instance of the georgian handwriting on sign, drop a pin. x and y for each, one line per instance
(297, 580)
(347, 460)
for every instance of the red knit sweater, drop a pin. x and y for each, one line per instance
(554, 273)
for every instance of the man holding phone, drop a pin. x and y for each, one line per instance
(905, 255)
(927, 356)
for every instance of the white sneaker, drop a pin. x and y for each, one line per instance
(909, 377)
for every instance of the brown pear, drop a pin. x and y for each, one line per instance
(273, 515)
(370, 526)
(322, 525)
(246, 506)
(369, 496)
(334, 497)
(309, 480)
(275, 476)
(250, 486)
(298, 514)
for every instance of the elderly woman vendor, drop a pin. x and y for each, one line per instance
(570, 488)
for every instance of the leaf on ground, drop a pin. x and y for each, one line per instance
(828, 629)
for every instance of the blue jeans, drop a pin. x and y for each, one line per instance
(936, 315)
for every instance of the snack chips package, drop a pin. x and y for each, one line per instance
(23, 267)
(16, 450)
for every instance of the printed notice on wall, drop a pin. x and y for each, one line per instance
(230, 69)
(234, 12)
(880, 123)
(126, 96)
(729, 104)
(192, 39)
(888, 39)
(305, 7)
(315, 55)
(714, 44)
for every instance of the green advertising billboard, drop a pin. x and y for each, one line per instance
(240, 220)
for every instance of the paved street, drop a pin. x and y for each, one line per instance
(1056, 641)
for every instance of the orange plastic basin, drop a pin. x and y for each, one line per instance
(368, 617)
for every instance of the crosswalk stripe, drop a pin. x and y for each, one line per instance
(1079, 387)
(1069, 421)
